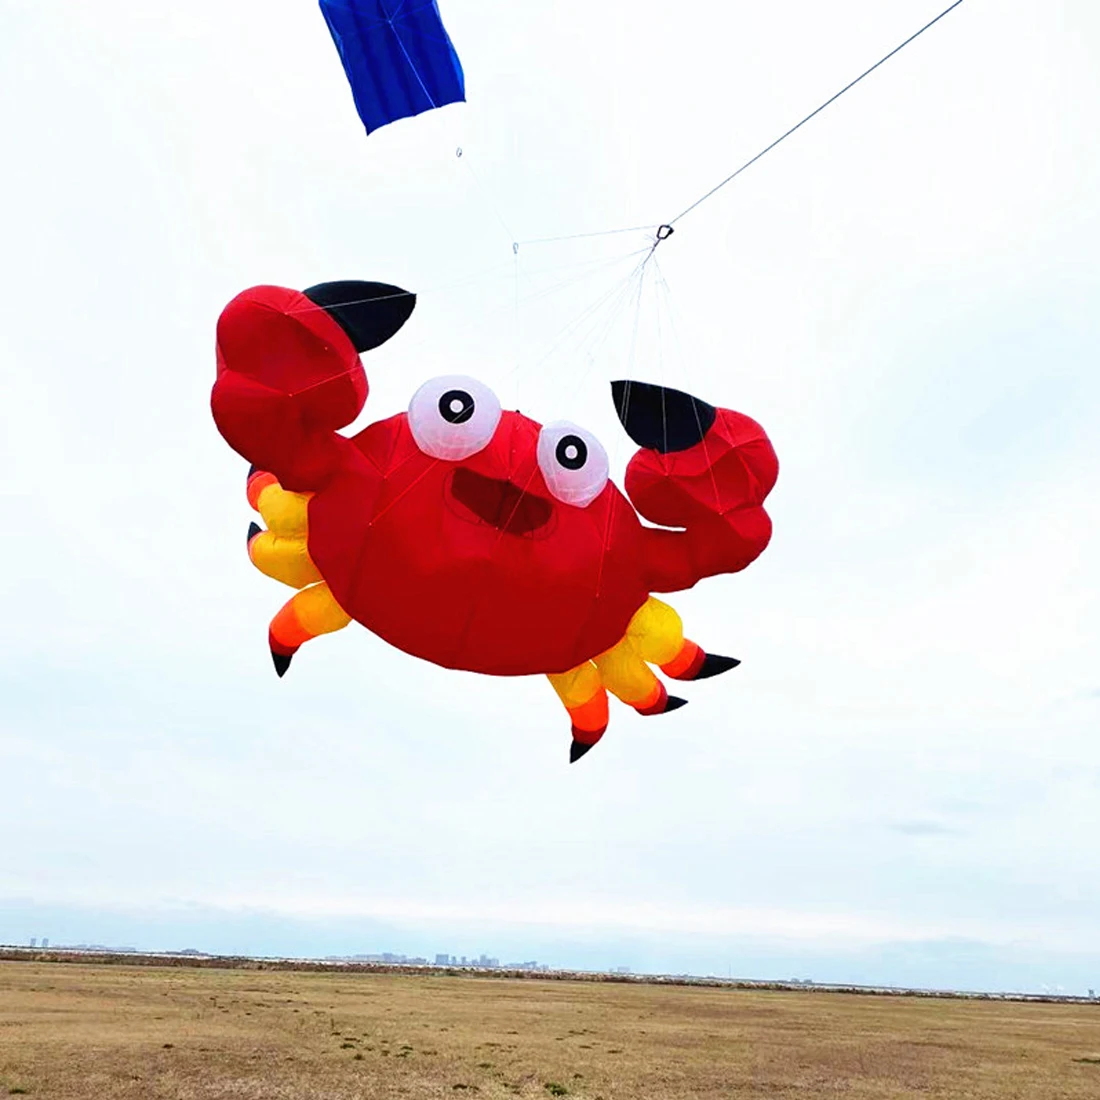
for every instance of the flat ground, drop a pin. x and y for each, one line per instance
(77, 1032)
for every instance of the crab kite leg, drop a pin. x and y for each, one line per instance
(655, 636)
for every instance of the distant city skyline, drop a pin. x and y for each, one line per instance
(831, 977)
(483, 961)
(488, 963)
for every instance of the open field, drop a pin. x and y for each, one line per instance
(77, 1032)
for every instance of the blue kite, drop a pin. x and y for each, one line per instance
(397, 56)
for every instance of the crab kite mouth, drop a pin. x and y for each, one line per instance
(501, 504)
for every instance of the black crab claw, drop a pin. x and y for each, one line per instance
(281, 662)
(659, 418)
(577, 750)
(370, 313)
(714, 664)
(254, 529)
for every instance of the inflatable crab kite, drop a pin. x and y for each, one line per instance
(474, 537)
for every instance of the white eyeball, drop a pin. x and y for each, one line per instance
(573, 463)
(453, 417)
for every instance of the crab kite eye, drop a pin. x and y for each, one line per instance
(453, 417)
(573, 463)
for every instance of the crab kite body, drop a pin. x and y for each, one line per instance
(474, 537)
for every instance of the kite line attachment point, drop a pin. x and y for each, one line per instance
(664, 232)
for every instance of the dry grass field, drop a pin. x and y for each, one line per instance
(78, 1032)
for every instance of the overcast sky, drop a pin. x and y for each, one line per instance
(902, 780)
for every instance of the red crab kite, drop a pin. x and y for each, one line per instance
(474, 537)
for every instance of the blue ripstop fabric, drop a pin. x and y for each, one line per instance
(397, 56)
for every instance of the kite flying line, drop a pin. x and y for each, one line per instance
(665, 230)
(832, 99)
(657, 233)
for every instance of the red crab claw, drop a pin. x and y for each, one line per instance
(289, 376)
(704, 470)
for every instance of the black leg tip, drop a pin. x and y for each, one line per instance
(715, 665)
(254, 529)
(674, 703)
(282, 662)
(577, 750)
(659, 418)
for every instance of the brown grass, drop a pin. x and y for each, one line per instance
(77, 1032)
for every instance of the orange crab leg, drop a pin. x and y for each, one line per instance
(583, 694)
(258, 481)
(307, 614)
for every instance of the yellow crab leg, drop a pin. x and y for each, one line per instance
(282, 511)
(626, 675)
(658, 636)
(280, 552)
(584, 697)
(654, 635)
(282, 559)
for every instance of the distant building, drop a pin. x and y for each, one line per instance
(34, 941)
(45, 941)
(443, 960)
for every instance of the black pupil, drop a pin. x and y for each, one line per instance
(572, 452)
(456, 406)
